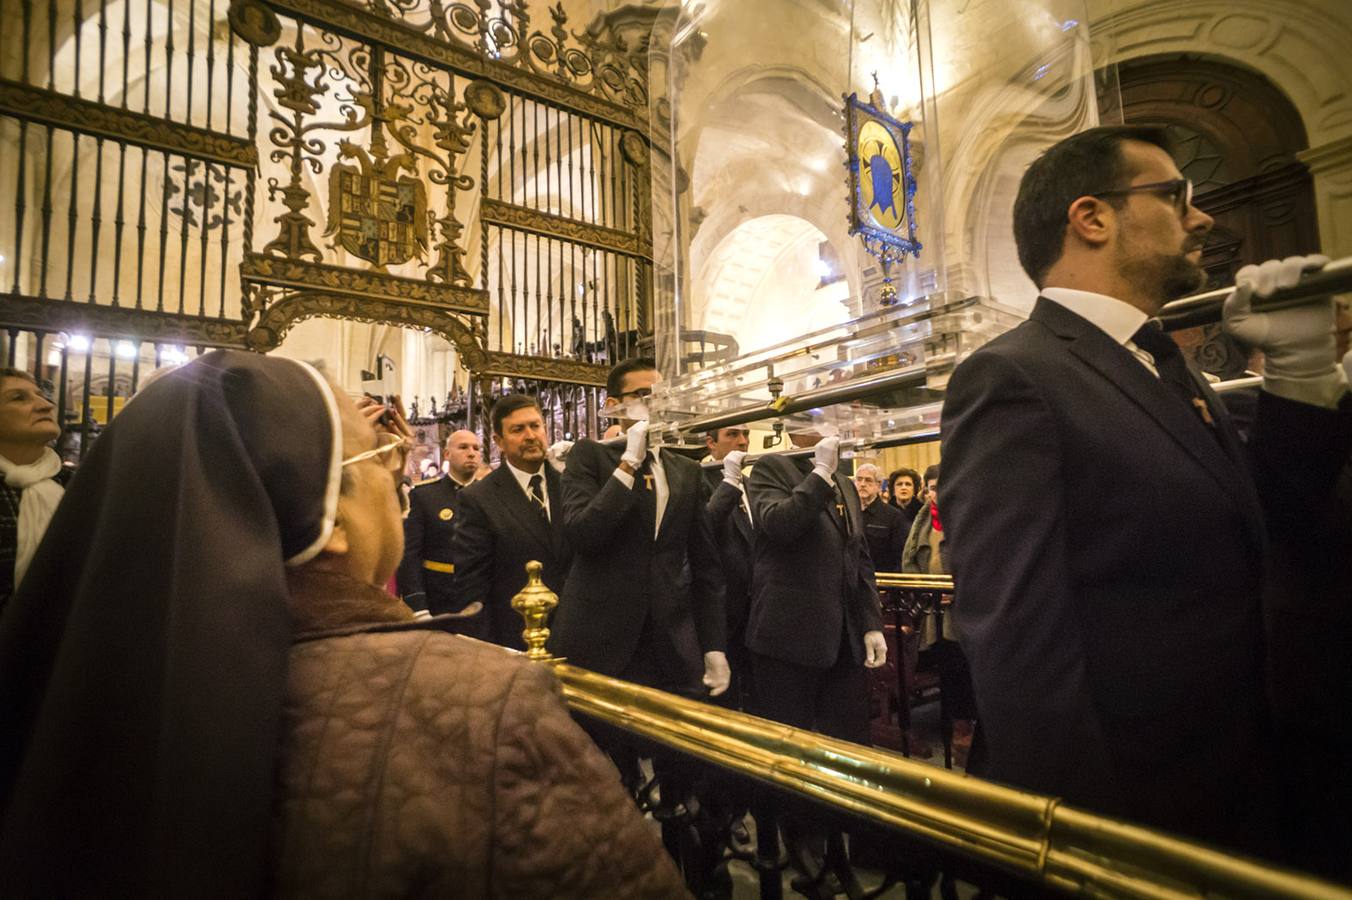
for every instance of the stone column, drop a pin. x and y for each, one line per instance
(1331, 166)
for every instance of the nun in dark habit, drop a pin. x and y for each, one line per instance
(204, 691)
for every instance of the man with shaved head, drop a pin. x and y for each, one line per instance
(427, 575)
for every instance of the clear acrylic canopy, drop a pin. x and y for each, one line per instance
(833, 188)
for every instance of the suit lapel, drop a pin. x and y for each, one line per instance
(851, 502)
(554, 487)
(1115, 363)
(514, 500)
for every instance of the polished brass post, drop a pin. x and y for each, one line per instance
(534, 603)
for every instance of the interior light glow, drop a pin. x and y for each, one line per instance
(126, 350)
(79, 343)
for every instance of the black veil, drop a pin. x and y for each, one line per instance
(143, 659)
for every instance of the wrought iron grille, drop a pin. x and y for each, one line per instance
(196, 173)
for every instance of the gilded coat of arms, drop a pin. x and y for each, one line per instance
(377, 213)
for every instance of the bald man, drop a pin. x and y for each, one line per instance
(426, 576)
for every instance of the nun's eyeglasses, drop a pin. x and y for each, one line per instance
(392, 442)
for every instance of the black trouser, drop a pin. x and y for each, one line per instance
(830, 701)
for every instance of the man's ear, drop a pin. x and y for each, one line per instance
(610, 401)
(1092, 220)
(338, 544)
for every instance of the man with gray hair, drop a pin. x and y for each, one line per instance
(884, 525)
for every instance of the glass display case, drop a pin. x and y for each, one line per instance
(833, 190)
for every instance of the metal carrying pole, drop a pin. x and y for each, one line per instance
(856, 445)
(1188, 312)
(1205, 308)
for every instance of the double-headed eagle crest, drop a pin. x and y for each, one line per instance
(377, 213)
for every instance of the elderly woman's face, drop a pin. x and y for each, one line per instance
(368, 508)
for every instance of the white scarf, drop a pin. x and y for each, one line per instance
(37, 503)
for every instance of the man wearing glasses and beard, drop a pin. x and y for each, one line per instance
(1110, 542)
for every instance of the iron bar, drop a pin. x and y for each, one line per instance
(225, 240)
(141, 228)
(164, 232)
(20, 190)
(46, 212)
(189, 63)
(211, 62)
(96, 222)
(135, 370)
(149, 46)
(84, 395)
(483, 224)
(62, 398)
(111, 392)
(535, 335)
(77, 17)
(1205, 308)
(39, 338)
(73, 212)
(12, 350)
(51, 50)
(126, 49)
(208, 192)
(103, 44)
(119, 219)
(169, 65)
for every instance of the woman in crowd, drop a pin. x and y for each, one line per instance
(206, 693)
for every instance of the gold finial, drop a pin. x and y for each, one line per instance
(534, 603)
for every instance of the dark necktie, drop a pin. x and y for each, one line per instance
(1172, 368)
(645, 485)
(537, 494)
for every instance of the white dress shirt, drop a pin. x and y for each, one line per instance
(659, 483)
(523, 479)
(1114, 318)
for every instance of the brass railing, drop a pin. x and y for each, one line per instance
(1035, 837)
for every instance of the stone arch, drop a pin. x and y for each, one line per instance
(1300, 47)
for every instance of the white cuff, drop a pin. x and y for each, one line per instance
(824, 474)
(735, 482)
(1325, 391)
(623, 477)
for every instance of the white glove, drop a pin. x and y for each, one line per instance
(1297, 342)
(732, 467)
(875, 649)
(636, 444)
(826, 457)
(717, 675)
(557, 454)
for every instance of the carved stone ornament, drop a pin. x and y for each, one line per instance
(254, 23)
(484, 100)
(634, 148)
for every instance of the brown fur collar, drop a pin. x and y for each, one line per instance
(321, 601)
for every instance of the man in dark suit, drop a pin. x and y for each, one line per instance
(884, 525)
(643, 600)
(508, 519)
(815, 621)
(730, 521)
(1109, 543)
(426, 577)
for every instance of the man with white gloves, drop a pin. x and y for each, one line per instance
(730, 521)
(1111, 532)
(643, 600)
(815, 622)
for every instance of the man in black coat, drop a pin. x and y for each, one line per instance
(1109, 544)
(815, 622)
(513, 516)
(643, 600)
(885, 527)
(426, 576)
(730, 521)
